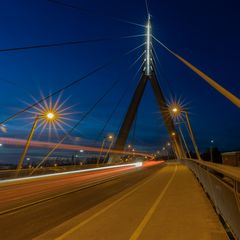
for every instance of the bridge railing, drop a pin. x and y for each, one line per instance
(222, 184)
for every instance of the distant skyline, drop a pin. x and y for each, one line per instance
(205, 33)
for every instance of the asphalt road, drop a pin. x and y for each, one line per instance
(169, 205)
(30, 208)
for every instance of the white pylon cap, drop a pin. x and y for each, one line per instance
(148, 68)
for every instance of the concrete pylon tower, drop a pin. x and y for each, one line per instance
(148, 74)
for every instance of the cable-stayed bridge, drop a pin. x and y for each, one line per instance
(110, 189)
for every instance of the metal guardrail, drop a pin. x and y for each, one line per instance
(222, 184)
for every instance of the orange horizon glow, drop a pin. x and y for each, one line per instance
(41, 144)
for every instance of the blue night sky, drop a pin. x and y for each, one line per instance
(206, 33)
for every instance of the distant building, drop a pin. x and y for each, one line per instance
(231, 158)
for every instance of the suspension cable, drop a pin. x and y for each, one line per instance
(88, 12)
(97, 69)
(235, 100)
(140, 68)
(121, 98)
(77, 124)
(68, 43)
(161, 72)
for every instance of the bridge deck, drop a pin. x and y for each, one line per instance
(168, 205)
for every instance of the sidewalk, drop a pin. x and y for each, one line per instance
(168, 205)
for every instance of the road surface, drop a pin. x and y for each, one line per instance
(140, 203)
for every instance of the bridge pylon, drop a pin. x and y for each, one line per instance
(148, 74)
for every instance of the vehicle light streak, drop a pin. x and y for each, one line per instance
(137, 164)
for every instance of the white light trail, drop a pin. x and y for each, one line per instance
(137, 164)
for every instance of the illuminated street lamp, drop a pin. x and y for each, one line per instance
(111, 139)
(165, 151)
(129, 147)
(108, 138)
(211, 150)
(1, 145)
(176, 110)
(48, 116)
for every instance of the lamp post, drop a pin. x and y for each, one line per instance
(133, 154)
(211, 150)
(176, 111)
(110, 137)
(168, 146)
(184, 141)
(20, 162)
(49, 116)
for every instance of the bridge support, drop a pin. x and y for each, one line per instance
(148, 75)
(131, 113)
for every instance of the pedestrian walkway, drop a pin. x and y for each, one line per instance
(169, 205)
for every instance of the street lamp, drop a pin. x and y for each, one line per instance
(48, 116)
(176, 111)
(211, 150)
(110, 138)
(129, 148)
